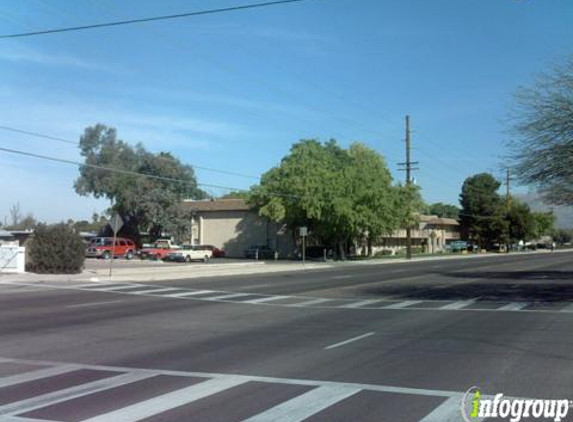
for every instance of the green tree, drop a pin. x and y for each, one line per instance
(339, 194)
(520, 222)
(482, 214)
(544, 224)
(144, 204)
(236, 195)
(444, 210)
(542, 123)
(563, 236)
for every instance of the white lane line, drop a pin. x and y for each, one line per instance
(195, 293)
(568, 308)
(37, 374)
(341, 277)
(306, 405)
(228, 296)
(448, 411)
(311, 302)
(266, 299)
(110, 289)
(6, 418)
(402, 305)
(360, 304)
(514, 306)
(27, 405)
(165, 402)
(458, 305)
(145, 292)
(87, 305)
(396, 271)
(342, 343)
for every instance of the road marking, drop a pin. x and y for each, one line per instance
(86, 305)
(402, 305)
(7, 418)
(341, 277)
(266, 299)
(342, 343)
(395, 271)
(114, 288)
(27, 405)
(311, 302)
(568, 308)
(458, 305)
(195, 293)
(228, 296)
(360, 304)
(165, 402)
(515, 306)
(306, 405)
(146, 292)
(37, 374)
(448, 411)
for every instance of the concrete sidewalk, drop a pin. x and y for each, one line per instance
(196, 270)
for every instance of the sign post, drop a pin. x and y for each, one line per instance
(116, 223)
(303, 232)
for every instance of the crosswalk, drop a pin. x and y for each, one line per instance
(62, 392)
(294, 301)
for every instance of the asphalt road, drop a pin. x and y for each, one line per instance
(395, 343)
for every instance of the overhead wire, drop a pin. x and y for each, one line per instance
(150, 19)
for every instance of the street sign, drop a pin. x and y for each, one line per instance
(116, 223)
(303, 231)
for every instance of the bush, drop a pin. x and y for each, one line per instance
(383, 252)
(56, 250)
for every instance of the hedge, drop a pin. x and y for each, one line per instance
(56, 249)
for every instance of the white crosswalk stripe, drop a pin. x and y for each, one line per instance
(33, 403)
(266, 299)
(361, 303)
(228, 296)
(146, 292)
(402, 305)
(320, 396)
(169, 401)
(194, 293)
(37, 374)
(514, 306)
(311, 302)
(302, 407)
(458, 305)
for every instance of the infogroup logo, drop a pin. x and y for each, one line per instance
(475, 406)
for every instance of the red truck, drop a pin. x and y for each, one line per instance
(158, 251)
(102, 247)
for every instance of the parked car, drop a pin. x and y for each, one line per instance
(217, 253)
(188, 253)
(103, 247)
(258, 251)
(158, 251)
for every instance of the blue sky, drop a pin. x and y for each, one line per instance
(233, 91)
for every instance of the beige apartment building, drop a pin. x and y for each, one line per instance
(230, 224)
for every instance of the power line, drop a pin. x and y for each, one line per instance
(150, 19)
(131, 173)
(68, 141)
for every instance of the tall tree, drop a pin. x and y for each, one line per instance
(339, 194)
(544, 224)
(520, 222)
(542, 150)
(482, 214)
(145, 204)
(444, 210)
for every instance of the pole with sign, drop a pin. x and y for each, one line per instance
(303, 232)
(116, 223)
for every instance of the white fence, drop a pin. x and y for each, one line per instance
(12, 258)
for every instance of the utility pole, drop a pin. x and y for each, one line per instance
(507, 191)
(408, 167)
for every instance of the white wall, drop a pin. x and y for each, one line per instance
(12, 258)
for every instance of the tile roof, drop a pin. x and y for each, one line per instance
(218, 205)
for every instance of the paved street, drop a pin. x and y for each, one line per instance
(399, 342)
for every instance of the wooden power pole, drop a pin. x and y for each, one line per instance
(408, 167)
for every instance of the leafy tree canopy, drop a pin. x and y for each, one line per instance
(145, 204)
(339, 194)
(482, 213)
(444, 210)
(542, 150)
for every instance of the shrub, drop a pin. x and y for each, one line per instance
(384, 252)
(56, 250)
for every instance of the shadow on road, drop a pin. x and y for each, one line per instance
(511, 286)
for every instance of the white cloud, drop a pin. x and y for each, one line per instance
(22, 54)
